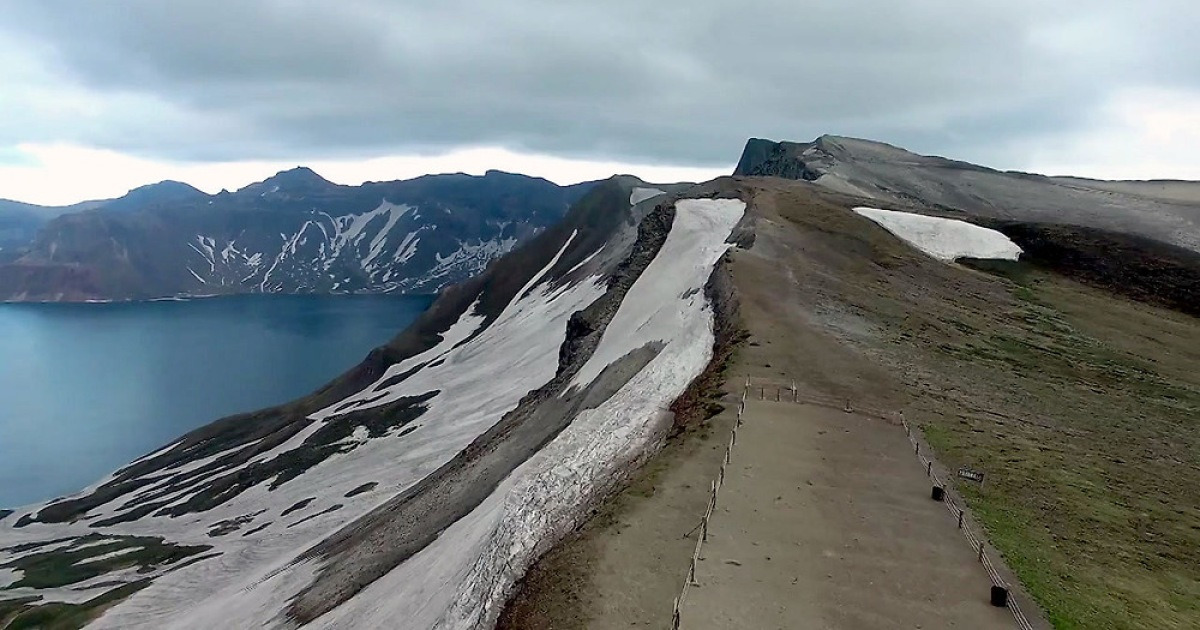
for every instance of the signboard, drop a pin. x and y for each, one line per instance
(971, 474)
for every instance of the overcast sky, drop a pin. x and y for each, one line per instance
(104, 96)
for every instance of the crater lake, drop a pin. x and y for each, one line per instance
(87, 388)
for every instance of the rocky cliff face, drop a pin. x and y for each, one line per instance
(292, 233)
(20, 222)
(777, 159)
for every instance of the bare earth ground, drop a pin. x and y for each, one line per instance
(825, 521)
(624, 568)
(1082, 409)
(1165, 190)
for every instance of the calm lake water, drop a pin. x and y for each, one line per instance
(85, 388)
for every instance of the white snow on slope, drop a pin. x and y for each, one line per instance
(10, 576)
(651, 311)
(463, 578)
(471, 256)
(456, 334)
(458, 578)
(408, 246)
(641, 194)
(377, 243)
(110, 555)
(481, 380)
(944, 239)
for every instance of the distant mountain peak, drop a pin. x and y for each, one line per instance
(299, 175)
(161, 193)
(167, 187)
(293, 181)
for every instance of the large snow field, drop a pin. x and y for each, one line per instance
(463, 578)
(944, 239)
(480, 380)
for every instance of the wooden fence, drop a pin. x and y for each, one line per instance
(715, 489)
(783, 392)
(976, 541)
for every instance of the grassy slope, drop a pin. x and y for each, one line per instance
(1082, 408)
(67, 566)
(59, 616)
(1093, 480)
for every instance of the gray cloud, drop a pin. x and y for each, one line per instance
(675, 81)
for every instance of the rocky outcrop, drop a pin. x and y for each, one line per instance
(767, 158)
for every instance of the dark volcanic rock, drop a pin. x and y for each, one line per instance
(1139, 268)
(775, 159)
(296, 507)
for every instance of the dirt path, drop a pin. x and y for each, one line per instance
(624, 568)
(825, 521)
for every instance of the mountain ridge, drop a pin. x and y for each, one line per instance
(294, 232)
(892, 175)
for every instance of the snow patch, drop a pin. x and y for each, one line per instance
(9, 577)
(944, 239)
(110, 555)
(651, 310)
(641, 194)
(376, 247)
(583, 262)
(408, 246)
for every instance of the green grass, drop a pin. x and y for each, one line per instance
(65, 566)
(61, 616)
(1085, 414)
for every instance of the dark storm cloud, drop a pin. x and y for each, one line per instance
(683, 82)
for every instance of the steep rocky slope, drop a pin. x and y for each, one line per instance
(292, 233)
(20, 222)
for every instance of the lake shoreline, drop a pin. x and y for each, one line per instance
(85, 390)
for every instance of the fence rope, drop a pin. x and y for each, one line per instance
(714, 490)
(975, 541)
